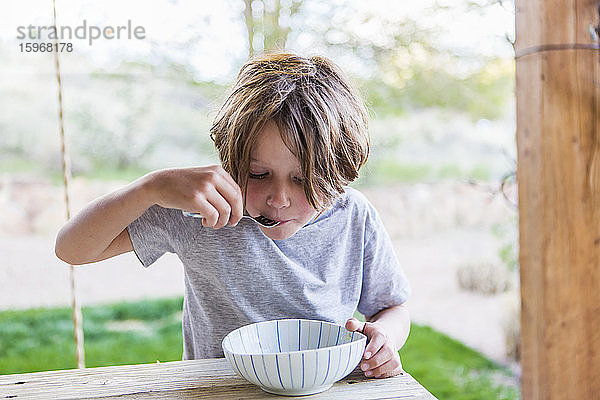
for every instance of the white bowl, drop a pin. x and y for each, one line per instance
(293, 356)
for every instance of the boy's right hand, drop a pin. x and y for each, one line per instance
(209, 191)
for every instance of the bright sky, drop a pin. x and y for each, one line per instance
(217, 33)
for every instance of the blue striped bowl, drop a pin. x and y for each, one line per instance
(293, 357)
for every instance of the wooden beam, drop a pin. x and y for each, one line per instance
(558, 141)
(190, 379)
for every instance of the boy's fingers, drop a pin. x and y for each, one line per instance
(232, 193)
(222, 206)
(227, 177)
(381, 357)
(390, 368)
(355, 325)
(211, 205)
(209, 215)
(218, 188)
(376, 339)
(236, 208)
(376, 342)
(229, 207)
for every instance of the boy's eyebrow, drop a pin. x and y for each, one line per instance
(262, 163)
(252, 159)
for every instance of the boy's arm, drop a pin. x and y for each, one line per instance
(99, 230)
(386, 333)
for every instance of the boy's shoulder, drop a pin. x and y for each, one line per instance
(353, 205)
(352, 196)
(353, 201)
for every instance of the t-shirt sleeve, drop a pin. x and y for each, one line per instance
(384, 282)
(156, 232)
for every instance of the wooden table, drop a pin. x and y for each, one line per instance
(210, 378)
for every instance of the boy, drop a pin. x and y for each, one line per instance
(291, 136)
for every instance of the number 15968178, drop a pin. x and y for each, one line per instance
(45, 47)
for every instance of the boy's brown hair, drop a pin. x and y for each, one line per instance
(320, 115)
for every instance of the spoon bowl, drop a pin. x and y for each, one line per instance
(261, 220)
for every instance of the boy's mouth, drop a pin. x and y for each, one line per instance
(280, 220)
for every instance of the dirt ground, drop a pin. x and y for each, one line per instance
(435, 229)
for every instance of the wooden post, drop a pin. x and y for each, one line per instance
(558, 140)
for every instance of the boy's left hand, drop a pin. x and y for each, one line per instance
(381, 359)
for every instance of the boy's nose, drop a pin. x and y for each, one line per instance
(278, 197)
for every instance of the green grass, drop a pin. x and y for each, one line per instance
(146, 331)
(451, 370)
(125, 333)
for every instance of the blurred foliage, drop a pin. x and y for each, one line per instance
(385, 171)
(482, 94)
(428, 147)
(146, 331)
(406, 67)
(508, 235)
(401, 66)
(150, 113)
(145, 115)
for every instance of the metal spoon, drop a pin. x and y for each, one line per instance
(262, 221)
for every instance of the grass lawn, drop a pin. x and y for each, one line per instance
(147, 331)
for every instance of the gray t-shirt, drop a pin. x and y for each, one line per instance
(236, 275)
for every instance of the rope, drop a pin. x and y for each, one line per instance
(554, 47)
(66, 171)
(594, 33)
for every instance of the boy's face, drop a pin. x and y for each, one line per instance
(275, 185)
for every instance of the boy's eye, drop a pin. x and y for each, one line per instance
(257, 176)
(298, 180)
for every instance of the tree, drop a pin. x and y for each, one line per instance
(399, 62)
(264, 19)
